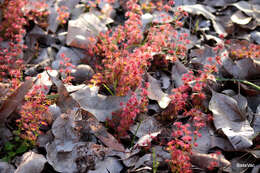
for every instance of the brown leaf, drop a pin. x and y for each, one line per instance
(145, 140)
(14, 100)
(147, 125)
(100, 106)
(206, 11)
(155, 93)
(81, 29)
(44, 81)
(241, 69)
(90, 124)
(204, 160)
(178, 70)
(109, 164)
(31, 162)
(209, 140)
(248, 8)
(200, 56)
(240, 18)
(229, 117)
(219, 3)
(248, 90)
(65, 101)
(62, 129)
(102, 134)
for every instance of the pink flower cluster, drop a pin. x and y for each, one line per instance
(123, 120)
(33, 114)
(180, 149)
(125, 54)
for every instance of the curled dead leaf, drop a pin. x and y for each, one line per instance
(228, 116)
(155, 92)
(205, 160)
(14, 100)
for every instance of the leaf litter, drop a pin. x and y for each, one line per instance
(79, 140)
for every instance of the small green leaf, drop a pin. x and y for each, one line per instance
(11, 154)
(9, 146)
(6, 159)
(17, 139)
(23, 148)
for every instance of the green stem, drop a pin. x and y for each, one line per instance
(115, 85)
(109, 90)
(155, 162)
(52, 97)
(239, 80)
(132, 142)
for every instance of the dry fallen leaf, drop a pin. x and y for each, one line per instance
(31, 162)
(250, 9)
(165, 80)
(14, 100)
(255, 35)
(64, 133)
(146, 139)
(209, 37)
(241, 69)
(73, 88)
(231, 120)
(6, 167)
(200, 56)
(255, 153)
(68, 151)
(147, 125)
(100, 106)
(155, 92)
(109, 164)
(81, 29)
(206, 11)
(204, 160)
(129, 157)
(219, 3)
(178, 70)
(241, 19)
(144, 160)
(101, 133)
(256, 121)
(256, 169)
(69, 161)
(65, 101)
(209, 140)
(89, 124)
(44, 81)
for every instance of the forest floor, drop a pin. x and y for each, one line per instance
(114, 86)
